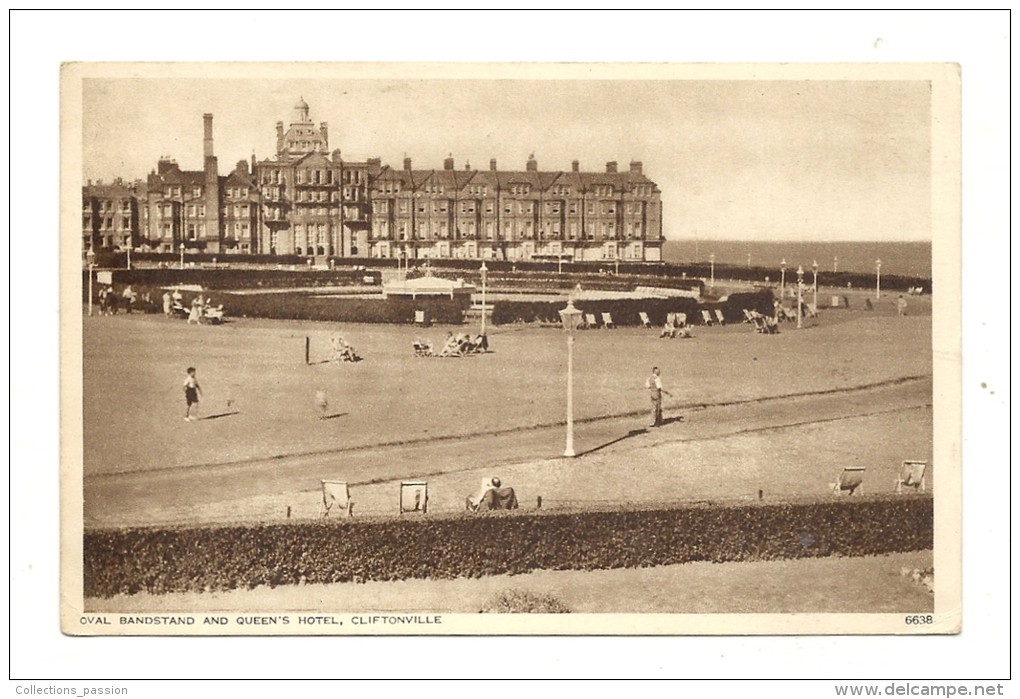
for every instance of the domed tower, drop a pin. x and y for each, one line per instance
(301, 112)
(302, 137)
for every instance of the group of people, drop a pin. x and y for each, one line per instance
(200, 309)
(463, 344)
(109, 303)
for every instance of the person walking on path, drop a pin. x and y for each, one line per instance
(168, 308)
(322, 403)
(191, 393)
(655, 391)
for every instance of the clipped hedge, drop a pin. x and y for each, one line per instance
(623, 311)
(345, 309)
(164, 560)
(627, 311)
(298, 305)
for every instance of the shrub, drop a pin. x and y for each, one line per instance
(524, 602)
(161, 560)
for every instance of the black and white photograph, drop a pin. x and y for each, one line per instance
(488, 349)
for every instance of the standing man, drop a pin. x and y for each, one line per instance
(168, 308)
(655, 391)
(191, 391)
(901, 306)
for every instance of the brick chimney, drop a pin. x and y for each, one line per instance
(407, 163)
(532, 163)
(635, 166)
(208, 142)
(575, 166)
(492, 164)
(324, 130)
(279, 137)
(448, 163)
(611, 166)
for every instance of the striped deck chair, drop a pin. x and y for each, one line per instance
(719, 317)
(607, 321)
(645, 320)
(590, 321)
(849, 481)
(706, 318)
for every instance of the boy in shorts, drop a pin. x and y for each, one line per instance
(191, 391)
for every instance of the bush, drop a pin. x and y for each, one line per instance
(162, 560)
(524, 602)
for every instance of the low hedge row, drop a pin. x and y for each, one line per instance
(626, 312)
(303, 306)
(222, 558)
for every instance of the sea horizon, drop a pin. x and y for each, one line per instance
(906, 258)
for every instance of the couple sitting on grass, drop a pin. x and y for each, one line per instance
(492, 496)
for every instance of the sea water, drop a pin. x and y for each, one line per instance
(900, 258)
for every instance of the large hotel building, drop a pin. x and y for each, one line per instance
(310, 201)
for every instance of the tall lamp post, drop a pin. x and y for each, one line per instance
(814, 269)
(90, 257)
(782, 279)
(485, 273)
(570, 316)
(878, 279)
(711, 262)
(800, 293)
(182, 255)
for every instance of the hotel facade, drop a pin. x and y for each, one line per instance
(309, 201)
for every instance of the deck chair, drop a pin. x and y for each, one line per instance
(911, 476)
(748, 318)
(680, 320)
(336, 494)
(607, 321)
(590, 321)
(719, 317)
(706, 317)
(645, 320)
(419, 318)
(414, 496)
(769, 325)
(668, 330)
(849, 481)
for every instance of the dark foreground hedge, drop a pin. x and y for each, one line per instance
(222, 558)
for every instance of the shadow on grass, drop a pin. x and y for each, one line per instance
(632, 433)
(219, 415)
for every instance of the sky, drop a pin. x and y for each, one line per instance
(734, 159)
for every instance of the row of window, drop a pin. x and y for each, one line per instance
(522, 229)
(312, 177)
(105, 222)
(107, 205)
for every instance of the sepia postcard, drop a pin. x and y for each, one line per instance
(510, 349)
